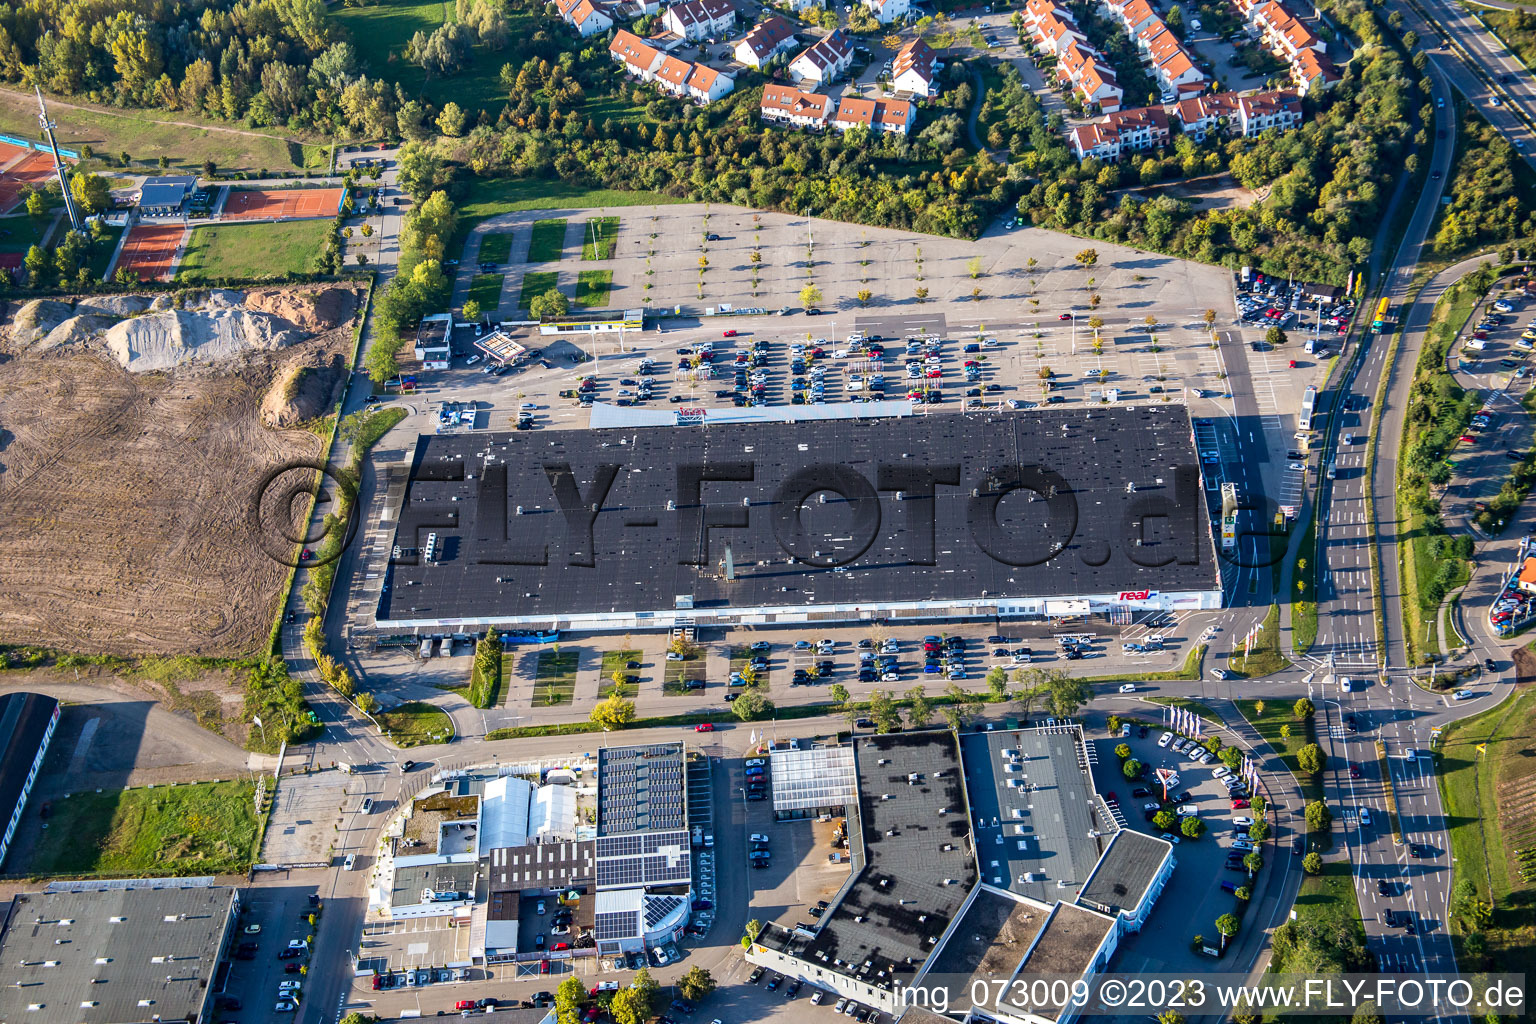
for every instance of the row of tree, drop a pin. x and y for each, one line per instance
(419, 286)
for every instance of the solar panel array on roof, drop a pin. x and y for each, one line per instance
(658, 907)
(655, 858)
(1092, 501)
(622, 924)
(640, 789)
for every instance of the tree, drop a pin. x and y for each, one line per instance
(752, 930)
(1088, 257)
(629, 1007)
(613, 713)
(36, 205)
(1192, 827)
(1253, 861)
(997, 683)
(1132, 769)
(1176, 20)
(452, 120)
(1227, 925)
(861, 21)
(90, 192)
(961, 709)
(471, 310)
(568, 999)
(646, 986)
(752, 705)
(810, 296)
(1312, 863)
(1285, 731)
(864, 295)
(1366, 1013)
(921, 293)
(973, 267)
(1258, 805)
(1303, 709)
(839, 694)
(421, 172)
(882, 710)
(1311, 758)
(367, 230)
(1275, 337)
(1067, 695)
(1123, 750)
(697, 984)
(919, 707)
(1318, 817)
(1164, 819)
(1258, 831)
(550, 304)
(362, 259)
(1209, 316)
(1170, 1017)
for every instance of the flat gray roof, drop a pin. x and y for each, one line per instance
(155, 949)
(542, 865)
(993, 506)
(413, 878)
(1125, 871)
(1066, 947)
(989, 942)
(1051, 836)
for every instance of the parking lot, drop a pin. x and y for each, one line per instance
(1195, 896)
(265, 971)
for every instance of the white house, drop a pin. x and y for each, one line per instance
(1122, 132)
(915, 70)
(705, 84)
(1207, 115)
(889, 11)
(825, 61)
(700, 19)
(1265, 110)
(796, 6)
(586, 17)
(767, 40)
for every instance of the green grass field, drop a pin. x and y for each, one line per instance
(102, 250)
(548, 243)
(554, 680)
(148, 134)
(1491, 813)
(614, 661)
(679, 672)
(492, 197)
(486, 290)
(592, 287)
(536, 282)
(1265, 658)
(496, 247)
(381, 31)
(416, 724)
(203, 829)
(18, 234)
(253, 250)
(1277, 713)
(599, 237)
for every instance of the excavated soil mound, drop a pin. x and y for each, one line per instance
(165, 340)
(312, 309)
(73, 331)
(35, 319)
(299, 393)
(114, 305)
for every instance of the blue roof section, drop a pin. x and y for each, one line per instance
(166, 190)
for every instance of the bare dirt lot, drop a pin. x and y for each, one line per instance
(131, 453)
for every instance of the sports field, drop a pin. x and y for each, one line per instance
(149, 250)
(253, 250)
(281, 204)
(19, 168)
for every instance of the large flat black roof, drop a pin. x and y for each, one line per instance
(917, 866)
(1037, 504)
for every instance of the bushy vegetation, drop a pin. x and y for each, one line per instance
(275, 697)
(485, 677)
(1328, 181)
(419, 288)
(1491, 192)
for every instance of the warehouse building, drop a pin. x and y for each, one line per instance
(125, 951)
(1046, 514)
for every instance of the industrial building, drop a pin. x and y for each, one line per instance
(27, 724)
(1001, 515)
(984, 855)
(126, 951)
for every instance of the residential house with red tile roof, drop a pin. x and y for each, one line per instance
(1127, 131)
(586, 17)
(638, 57)
(785, 105)
(1263, 111)
(894, 116)
(1212, 114)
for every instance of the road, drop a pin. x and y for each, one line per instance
(1480, 67)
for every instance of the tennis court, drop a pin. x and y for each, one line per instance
(149, 250)
(21, 167)
(281, 204)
